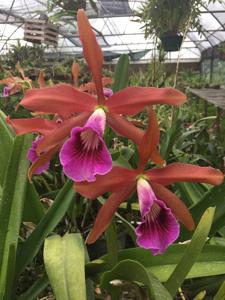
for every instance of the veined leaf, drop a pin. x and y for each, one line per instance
(64, 259)
(191, 253)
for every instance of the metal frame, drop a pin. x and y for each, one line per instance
(74, 39)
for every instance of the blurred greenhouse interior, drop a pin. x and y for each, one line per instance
(117, 32)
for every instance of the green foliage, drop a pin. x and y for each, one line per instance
(192, 252)
(210, 262)
(67, 8)
(121, 73)
(31, 246)
(11, 212)
(132, 271)
(28, 56)
(163, 16)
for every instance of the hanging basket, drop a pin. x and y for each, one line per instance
(40, 31)
(171, 41)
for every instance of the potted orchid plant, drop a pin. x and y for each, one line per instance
(168, 19)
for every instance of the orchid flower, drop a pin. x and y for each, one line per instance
(16, 84)
(159, 207)
(63, 99)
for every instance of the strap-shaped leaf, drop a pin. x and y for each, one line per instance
(214, 197)
(53, 216)
(191, 253)
(220, 295)
(6, 144)
(121, 73)
(11, 212)
(133, 271)
(64, 262)
(33, 292)
(33, 210)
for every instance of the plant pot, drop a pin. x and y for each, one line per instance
(171, 41)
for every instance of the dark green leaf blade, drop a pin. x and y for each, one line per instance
(191, 253)
(53, 216)
(133, 271)
(11, 211)
(121, 73)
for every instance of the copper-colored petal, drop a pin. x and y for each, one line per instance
(178, 172)
(125, 128)
(92, 51)
(157, 158)
(150, 139)
(42, 159)
(53, 137)
(107, 212)
(107, 80)
(75, 70)
(58, 99)
(178, 208)
(88, 87)
(114, 181)
(41, 79)
(132, 100)
(33, 125)
(20, 70)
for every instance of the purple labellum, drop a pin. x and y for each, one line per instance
(158, 228)
(85, 154)
(32, 156)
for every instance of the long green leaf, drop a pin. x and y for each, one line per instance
(64, 260)
(35, 289)
(191, 253)
(214, 197)
(6, 145)
(53, 216)
(220, 295)
(33, 210)
(133, 271)
(172, 134)
(190, 192)
(210, 262)
(11, 212)
(121, 73)
(112, 243)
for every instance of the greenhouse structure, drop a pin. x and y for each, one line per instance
(112, 149)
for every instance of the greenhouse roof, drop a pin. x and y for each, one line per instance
(115, 28)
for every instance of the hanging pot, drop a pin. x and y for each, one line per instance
(171, 41)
